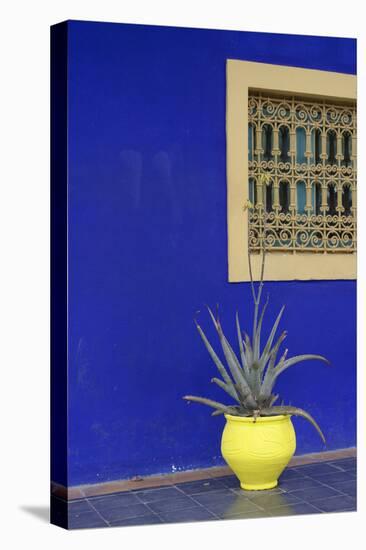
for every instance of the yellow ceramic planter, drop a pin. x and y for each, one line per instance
(258, 451)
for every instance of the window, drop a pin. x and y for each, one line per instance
(297, 127)
(304, 146)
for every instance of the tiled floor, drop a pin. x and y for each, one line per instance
(311, 489)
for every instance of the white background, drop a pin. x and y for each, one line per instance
(24, 271)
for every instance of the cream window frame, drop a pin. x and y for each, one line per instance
(280, 266)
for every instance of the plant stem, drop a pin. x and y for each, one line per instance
(257, 297)
(263, 247)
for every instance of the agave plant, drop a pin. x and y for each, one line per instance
(249, 378)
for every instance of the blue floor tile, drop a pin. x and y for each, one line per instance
(290, 473)
(336, 504)
(193, 514)
(141, 520)
(317, 469)
(352, 470)
(79, 506)
(231, 506)
(152, 495)
(171, 504)
(196, 487)
(293, 510)
(114, 501)
(297, 483)
(266, 501)
(345, 464)
(347, 487)
(231, 482)
(125, 512)
(313, 488)
(334, 477)
(314, 493)
(214, 496)
(85, 520)
(247, 515)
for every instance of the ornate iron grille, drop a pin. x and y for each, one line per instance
(306, 152)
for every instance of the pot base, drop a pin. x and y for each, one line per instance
(259, 487)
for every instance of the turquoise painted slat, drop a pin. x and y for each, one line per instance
(301, 197)
(300, 145)
(252, 191)
(250, 142)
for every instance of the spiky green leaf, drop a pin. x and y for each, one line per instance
(285, 364)
(222, 370)
(241, 345)
(234, 366)
(266, 387)
(248, 350)
(233, 410)
(298, 359)
(228, 388)
(273, 400)
(208, 402)
(274, 352)
(268, 346)
(257, 335)
(270, 378)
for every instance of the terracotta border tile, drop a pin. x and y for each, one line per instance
(65, 493)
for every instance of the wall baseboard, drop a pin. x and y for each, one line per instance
(110, 487)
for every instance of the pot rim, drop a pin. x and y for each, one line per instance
(252, 420)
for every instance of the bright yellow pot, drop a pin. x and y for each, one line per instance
(258, 451)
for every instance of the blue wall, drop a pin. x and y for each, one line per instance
(148, 248)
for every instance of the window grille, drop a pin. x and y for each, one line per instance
(307, 151)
